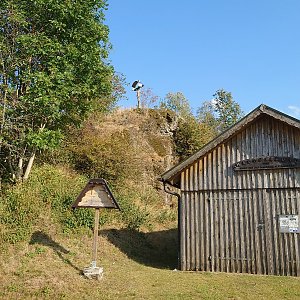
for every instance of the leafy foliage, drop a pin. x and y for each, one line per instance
(177, 103)
(46, 199)
(186, 137)
(53, 72)
(229, 111)
(102, 154)
(190, 134)
(220, 113)
(49, 193)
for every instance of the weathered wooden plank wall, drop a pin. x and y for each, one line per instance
(229, 219)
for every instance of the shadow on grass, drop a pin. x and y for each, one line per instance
(156, 249)
(43, 239)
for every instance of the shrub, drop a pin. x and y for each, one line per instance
(49, 193)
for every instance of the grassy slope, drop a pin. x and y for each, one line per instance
(136, 266)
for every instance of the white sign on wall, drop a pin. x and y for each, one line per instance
(289, 223)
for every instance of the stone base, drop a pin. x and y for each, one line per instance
(93, 272)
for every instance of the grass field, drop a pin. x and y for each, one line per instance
(136, 266)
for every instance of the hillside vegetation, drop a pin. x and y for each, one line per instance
(127, 148)
(45, 244)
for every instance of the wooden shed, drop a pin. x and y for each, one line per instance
(239, 201)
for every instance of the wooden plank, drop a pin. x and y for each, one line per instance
(203, 216)
(258, 253)
(216, 221)
(297, 238)
(271, 148)
(236, 241)
(191, 219)
(286, 252)
(262, 209)
(237, 196)
(247, 232)
(183, 225)
(290, 152)
(296, 135)
(235, 216)
(222, 252)
(197, 216)
(281, 211)
(243, 255)
(297, 155)
(232, 233)
(226, 232)
(215, 226)
(252, 231)
(220, 185)
(259, 184)
(244, 186)
(209, 172)
(268, 233)
(243, 208)
(224, 158)
(187, 223)
(275, 233)
(208, 231)
(214, 170)
(212, 231)
(293, 236)
(257, 247)
(205, 173)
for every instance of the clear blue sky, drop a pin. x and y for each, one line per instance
(250, 48)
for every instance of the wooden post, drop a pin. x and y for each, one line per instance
(138, 99)
(95, 242)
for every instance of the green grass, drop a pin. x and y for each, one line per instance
(136, 266)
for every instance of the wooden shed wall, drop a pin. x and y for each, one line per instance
(229, 219)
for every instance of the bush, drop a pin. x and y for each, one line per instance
(48, 194)
(102, 154)
(134, 214)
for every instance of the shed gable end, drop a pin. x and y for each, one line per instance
(266, 138)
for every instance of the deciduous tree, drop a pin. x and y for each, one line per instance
(178, 103)
(221, 112)
(53, 72)
(228, 111)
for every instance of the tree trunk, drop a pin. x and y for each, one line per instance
(29, 166)
(20, 169)
(31, 159)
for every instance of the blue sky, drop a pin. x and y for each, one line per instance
(250, 48)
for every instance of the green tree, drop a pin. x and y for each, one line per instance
(228, 111)
(220, 113)
(190, 135)
(187, 137)
(206, 115)
(178, 103)
(53, 72)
